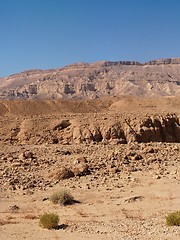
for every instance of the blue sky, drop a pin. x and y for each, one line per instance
(47, 34)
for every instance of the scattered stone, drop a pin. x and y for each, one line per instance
(14, 208)
(134, 199)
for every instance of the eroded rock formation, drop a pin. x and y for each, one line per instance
(95, 80)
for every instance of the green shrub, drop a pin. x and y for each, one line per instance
(173, 219)
(63, 197)
(49, 220)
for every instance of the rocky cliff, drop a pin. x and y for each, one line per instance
(95, 80)
(110, 120)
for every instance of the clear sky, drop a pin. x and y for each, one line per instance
(47, 34)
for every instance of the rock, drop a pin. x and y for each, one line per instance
(137, 157)
(80, 159)
(14, 208)
(61, 173)
(134, 199)
(81, 169)
(64, 124)
(26, 155)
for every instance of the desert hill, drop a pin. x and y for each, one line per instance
(95, 80)
(111, 119)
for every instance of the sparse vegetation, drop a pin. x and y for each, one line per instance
(173, 219)
(49, 220)
(62, 197)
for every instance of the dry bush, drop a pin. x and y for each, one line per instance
(173, 219)
(62, 197)
(49, 220)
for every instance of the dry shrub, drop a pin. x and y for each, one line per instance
(173, 219)
(62, 197)
(49, 220)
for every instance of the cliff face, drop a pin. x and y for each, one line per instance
(95, 80)
(165, 61)
(105, 120)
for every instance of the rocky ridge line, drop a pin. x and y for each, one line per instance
(96, 80)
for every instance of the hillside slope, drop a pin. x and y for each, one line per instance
(95, 80)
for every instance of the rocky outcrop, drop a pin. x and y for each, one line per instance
(164, 61)
(120, 63)
(92, 128)
(162, 129)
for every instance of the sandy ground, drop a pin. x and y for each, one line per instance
(134, 209)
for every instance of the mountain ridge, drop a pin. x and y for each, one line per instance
(95, 80)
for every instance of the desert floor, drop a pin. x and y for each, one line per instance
(122, 205)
